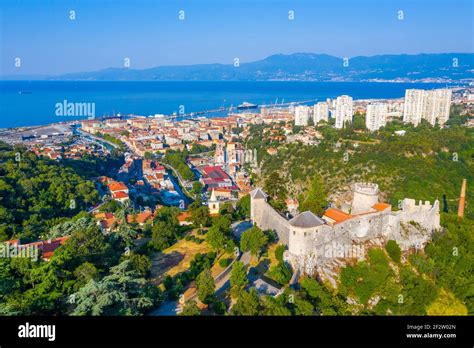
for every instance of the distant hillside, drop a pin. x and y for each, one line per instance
(306, 67)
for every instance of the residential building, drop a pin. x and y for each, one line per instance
(376, 115)
(320, 112)
(431, 105)
(344, 111)
(301, 115)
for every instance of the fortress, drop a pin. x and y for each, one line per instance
(314, 243)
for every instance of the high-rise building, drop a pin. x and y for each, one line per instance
(344, 111)
(320, 112)
(431, 105)
(376, 115)
(413, 108)
(437, 104)
(301, 115)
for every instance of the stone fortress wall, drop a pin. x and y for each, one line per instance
(313, 241)
(267, 218)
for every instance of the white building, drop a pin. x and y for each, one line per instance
(437, 104)
(344, 111)
(431, 105)
(413, 108)
(320, 112)
(301, 115)
(376, 116)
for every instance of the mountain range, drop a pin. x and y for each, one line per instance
(441, 67)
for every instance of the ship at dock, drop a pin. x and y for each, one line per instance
(247, 105)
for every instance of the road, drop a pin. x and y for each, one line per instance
(171, 308)
(98, 139)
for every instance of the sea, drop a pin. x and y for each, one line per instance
(34, 103)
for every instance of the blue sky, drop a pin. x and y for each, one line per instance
(150, 33)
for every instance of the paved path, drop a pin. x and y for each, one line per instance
(171, 308)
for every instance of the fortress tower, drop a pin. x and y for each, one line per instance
(302, 228)
(365, 196)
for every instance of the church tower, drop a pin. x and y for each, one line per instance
(213, 204)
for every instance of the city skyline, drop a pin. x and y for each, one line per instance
(53, 40)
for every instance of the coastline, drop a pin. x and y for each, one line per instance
(146, 98)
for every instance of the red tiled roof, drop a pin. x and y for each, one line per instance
(184, 216)
(119, 195)
(104, 216)
(214, 172)
(107, 223)
(381, 206)
(140, 218)
(47, 248)
(337, 215)
(117, 186)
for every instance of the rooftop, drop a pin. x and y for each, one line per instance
(336, 215)
(306, 220)
(258, 194)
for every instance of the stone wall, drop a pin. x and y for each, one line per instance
(267, 218)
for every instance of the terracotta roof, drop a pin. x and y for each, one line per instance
(104, 216)
(117, 186)
(107, 223)
(140, 218)
(337, 215)
(184, 216)
(119, 195)
(48, 247)
(381, 206)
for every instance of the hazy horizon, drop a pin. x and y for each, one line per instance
(214, 63)
(51, 40)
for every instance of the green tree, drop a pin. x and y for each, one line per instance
(393, 250)
(163, 235)
(197, 187)
(216, 238)
(243, 207)
(275, 186)
(316, 197)
(218, 234)
(122, 292)
(200, 216)
(248, 304)
(205, 286)
(303, 307)
(253, 240)
(280, 273)
(275, 306)
(190, 309)
(84, 273)
(238, 277)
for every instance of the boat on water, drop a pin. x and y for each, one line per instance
(247, 105)
(24, 92)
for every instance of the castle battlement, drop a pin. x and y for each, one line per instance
(409, 205)
(366, 188)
